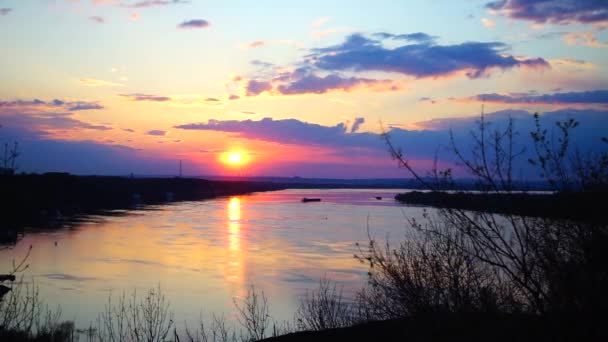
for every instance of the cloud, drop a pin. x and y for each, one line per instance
(41, 153)
(571, 38)
(134, 16)
(97, 19)
(487, 23)
(102, 2)
(329, 69)
(313, 84)
(421, 144)
(5, 11)
(66, 122)
(320, 21)
(194, 24)
(305, 80)
(45, 124)
(296, 132)
(427, 99)
(586, 38)
(418, 37)
(233, 97)
(572, 64)
(53, 105)
(553, 11)
(128, 130)
(262, 64)
(358, 122)
(81, 105)
(152, 3)
(593, 125)
(583, 97)
(139, 97)
(157, 132)
(176, 100)
(288, 131)
(419, 60)
(255, 44)
(90, 82)
(255, 87)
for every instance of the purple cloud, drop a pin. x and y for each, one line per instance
(327, 69)
(417, 37)
(583, 97)
(262, 64)
(290, 131)
(51, 105)
(97, 19)
(5, 11)
(255, 87)
(296, 132)
(420, 60)
(157, 132)
(426, 99)
(312, 84)
(358, 122)
(70, 123)
(44, 154)
(194, 24)
(212, 99)
(553, 11)
(151, 3)
(138, 97)
(45, 123)
(76, 106)
(233, 97)
(305, 80)
(422, 144)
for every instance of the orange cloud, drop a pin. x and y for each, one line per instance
(585, 38)
(487, 23)
(90, 82)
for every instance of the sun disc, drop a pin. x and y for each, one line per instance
(235, 158)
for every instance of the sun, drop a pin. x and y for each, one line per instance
(234, 158)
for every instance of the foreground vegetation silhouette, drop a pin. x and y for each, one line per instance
(461, 273)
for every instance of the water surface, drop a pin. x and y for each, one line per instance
(205, 254)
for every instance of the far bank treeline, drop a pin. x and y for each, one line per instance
(38, 200)
(585, 206)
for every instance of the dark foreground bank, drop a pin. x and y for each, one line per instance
(463, 327)
(37, 201)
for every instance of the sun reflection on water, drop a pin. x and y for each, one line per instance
(234, 273)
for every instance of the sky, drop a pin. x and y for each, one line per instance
(289, 88)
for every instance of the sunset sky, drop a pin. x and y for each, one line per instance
(287, 88)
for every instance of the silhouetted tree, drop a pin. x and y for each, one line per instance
(458, 260)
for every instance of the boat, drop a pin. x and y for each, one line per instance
(378, 198)
(306, 199)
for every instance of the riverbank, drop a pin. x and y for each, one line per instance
(578, 206)
(462, 327)
(39, 201)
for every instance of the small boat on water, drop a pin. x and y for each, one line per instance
(378, 198)
(306, 199)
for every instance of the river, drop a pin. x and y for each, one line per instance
(205, 254)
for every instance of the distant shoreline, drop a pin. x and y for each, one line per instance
(578, 206)
(51, 200)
